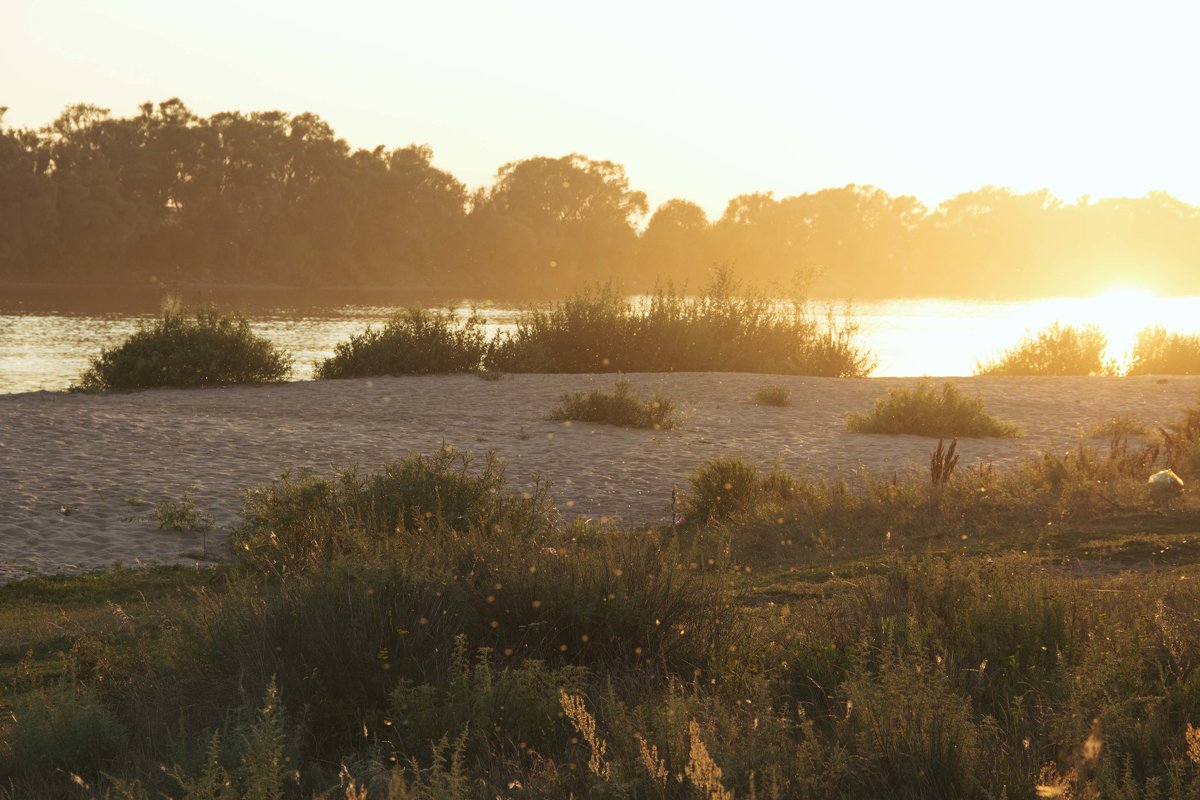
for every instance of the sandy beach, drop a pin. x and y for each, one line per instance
(73, 468)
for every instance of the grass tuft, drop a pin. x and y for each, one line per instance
(773, 395)
(925, 411)
(620, 407)
(1118, 426)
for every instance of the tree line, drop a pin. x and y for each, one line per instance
(276, 198)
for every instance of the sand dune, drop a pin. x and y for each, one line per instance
(72, 465)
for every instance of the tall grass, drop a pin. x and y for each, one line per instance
(425, 631)
(769, 514)
(724, 330)
(1057, 350)
(926, 411)
(415, 341)
(207, 349)
(304, 520)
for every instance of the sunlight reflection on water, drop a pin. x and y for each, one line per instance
(909, 337)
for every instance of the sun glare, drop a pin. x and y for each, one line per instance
(1123, 311)
(1120, 312)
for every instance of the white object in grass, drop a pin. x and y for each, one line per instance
(1164, 486)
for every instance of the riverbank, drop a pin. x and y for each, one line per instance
(82, 473)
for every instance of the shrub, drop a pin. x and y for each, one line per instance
(773, 395)
(413, 342)
(1159, 352)
(723, 330)
(305, 521)
(208, 349)
(364, 636)
(622, 407)
(924, 411)
(722, 489)
(57, 728)
(181, 515)
(1057, 350)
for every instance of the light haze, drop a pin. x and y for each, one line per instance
(696, 100)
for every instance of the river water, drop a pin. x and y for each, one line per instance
(46, 339)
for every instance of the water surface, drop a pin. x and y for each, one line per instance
(45, 343)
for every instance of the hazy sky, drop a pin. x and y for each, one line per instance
(697, 100)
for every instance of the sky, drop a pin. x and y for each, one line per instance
(700, 100)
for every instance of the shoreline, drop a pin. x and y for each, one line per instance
(72, 462)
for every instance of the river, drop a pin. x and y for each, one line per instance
(47, 338)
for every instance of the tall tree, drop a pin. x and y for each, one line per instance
(28, 211)
(677, 245)
(551, 224)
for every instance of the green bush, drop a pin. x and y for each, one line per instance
(724, 330)
(773, 395)
(306, 521)
(413, 342)
(925, 411)
(621, 407)
(61, 728)
(181, 515)
(722, 489)
(1159, 352)
(1057, 350)
(343, 639)
(208, 349)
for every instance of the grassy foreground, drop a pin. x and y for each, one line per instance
(426, 631)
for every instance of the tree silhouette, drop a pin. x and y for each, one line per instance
(269, 196)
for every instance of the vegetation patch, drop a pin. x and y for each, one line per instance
(773, 395)
(181, 515)
(1160, 352)
(1057, 350)
(1118, 426)
(305, 520)
(425, 631)
(723, 330)
(620, 407)
(414, 342)
(1181, 443)
(927, 411)
(207, 349)
(722, 489)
